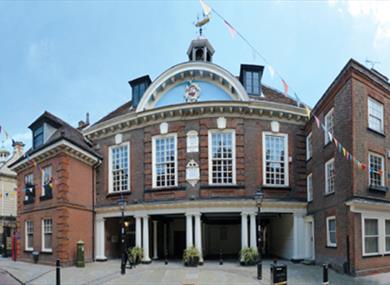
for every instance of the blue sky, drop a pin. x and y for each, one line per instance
(74, 57)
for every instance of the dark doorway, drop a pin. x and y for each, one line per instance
(179, 239)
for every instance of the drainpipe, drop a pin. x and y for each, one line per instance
(95, 166)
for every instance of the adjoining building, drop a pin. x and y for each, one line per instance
(8, 197)
(188, 153)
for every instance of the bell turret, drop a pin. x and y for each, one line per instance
(200, 50)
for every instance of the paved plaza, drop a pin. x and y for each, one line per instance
(174, 274)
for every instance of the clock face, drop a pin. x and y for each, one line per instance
(192, 92)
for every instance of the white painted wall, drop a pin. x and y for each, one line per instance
(281, 236)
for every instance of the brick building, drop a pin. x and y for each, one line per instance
(188, 153)
(350, 206)
(55, 193)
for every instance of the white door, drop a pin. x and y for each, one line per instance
(310, 239)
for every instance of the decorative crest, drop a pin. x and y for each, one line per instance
(192, 92)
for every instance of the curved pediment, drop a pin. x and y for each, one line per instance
(214, 83)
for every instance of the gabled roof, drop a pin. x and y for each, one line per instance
(64, 131)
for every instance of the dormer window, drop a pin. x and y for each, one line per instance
(38, 137)
(250, 77)
(138, 87)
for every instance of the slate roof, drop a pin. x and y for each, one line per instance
(63, 131)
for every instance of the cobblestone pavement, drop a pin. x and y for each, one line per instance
(176, 274)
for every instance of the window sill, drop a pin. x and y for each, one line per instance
(376, 132)
(28, 250)
(46, 251)
(331, 246)
(276, 187)
(380, 189)
(329, 194)
(114, 194)
(167, 189)
(222, 186)
(372, 255)
(46, 197)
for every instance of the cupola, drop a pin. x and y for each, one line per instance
(4, 153)
(200, 50)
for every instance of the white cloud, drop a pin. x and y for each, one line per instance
(40, 56)
(378, 12)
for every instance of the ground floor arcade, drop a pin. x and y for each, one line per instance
(213, 227)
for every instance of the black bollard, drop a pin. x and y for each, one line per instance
(275, 261)
(58, 272)
(220, 257)
(325, 276)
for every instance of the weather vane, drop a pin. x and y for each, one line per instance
(200, 23)
(372, 63)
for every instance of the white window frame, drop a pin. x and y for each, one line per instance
(26, 247)
(286, 156)
(110, 178)
(309, 146)
(210, 146)
(326, 176)
(43, 192)
(327, 127)
(309, 186)
(328, 242)
(381, 217)
(44, 249)
(384, 231)
(370, 153)
(370, 102)
(154, 178)
(364, 236)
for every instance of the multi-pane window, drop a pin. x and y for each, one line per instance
(46, 180)
(309, 186)
(275, 165)
(29, 189)
(47, 232)
(119, 168)
(387, 235)
(222, 157)
(329, 125)
(329, 176)
(371, 236)
(375, 115)
(252, 82)
(331, 231)
(38, 137)
(376, 164)
(309, 147)
(29, 235)
(165, 161)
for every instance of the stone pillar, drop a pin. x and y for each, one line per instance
(298, 237)
(100, 238)
(198, 236)
(145, 242)
(244, 230)
(155, 240)
(189, 233)
(138, 241)
(253, 230)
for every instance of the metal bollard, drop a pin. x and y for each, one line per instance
(220, 257)
(325, 276)
(58, 272)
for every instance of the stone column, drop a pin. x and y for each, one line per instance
(253, 230)
(100, 238)
(155, 240)
(138, 233)
(145, 242)
(189, 233)
(198, 236)
(298, 237)
(244, 230)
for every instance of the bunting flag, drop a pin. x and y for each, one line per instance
(285, 87)
(271, 71)
(206, 8)
(308, 112)
(232, 31)
(317, 122)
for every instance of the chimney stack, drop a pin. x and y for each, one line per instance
(18, 147)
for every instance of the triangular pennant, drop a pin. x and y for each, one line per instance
(206, 8)
(317, 121)
(232, 31)
(285, 87)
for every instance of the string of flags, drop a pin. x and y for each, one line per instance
(233, 32)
